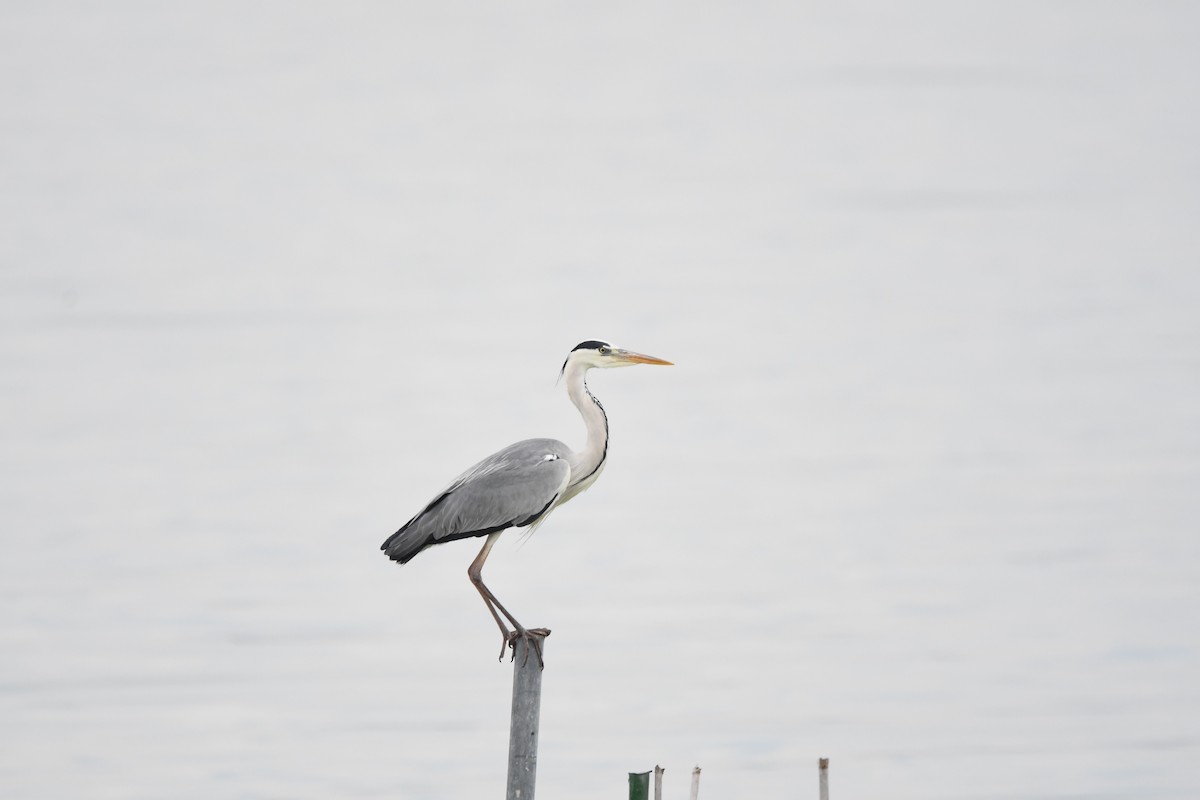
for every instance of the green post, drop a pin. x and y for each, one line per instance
(639, 786)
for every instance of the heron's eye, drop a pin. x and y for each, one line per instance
(605, 351)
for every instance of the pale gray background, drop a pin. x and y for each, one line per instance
(920, 495)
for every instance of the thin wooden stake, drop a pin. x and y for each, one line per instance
(526, 718)
(695, 783)
(823, 770)
(658, 773)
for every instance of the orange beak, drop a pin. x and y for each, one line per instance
(638, 358)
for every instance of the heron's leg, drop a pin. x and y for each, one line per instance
(475, 573)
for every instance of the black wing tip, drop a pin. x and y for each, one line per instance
(399, 559)
(392, 549)
(400, 555)
(388, 541)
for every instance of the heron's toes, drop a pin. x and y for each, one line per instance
(533, 636)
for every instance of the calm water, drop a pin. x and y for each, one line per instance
(920, 495)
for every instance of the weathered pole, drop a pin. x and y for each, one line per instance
(695, 783)
(823, 769)
(526, 715)
(658, 773)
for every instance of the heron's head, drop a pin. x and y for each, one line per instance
(594, 353)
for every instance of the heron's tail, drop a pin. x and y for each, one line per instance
(405, 543)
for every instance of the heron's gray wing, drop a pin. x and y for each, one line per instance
(511, 488)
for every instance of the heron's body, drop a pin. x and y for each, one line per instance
(520, 485)
(517, 486)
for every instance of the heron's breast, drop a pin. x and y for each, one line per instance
(576, 488)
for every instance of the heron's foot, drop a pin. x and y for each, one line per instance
(533, 639)
(508, 637)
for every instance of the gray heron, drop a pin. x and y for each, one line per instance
(519, 486)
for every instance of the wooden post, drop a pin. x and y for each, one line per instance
(695, 783)
(658, 773)
(526, 715)
(823, 770)
(639, 786)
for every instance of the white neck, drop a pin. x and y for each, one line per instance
(587, 461)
